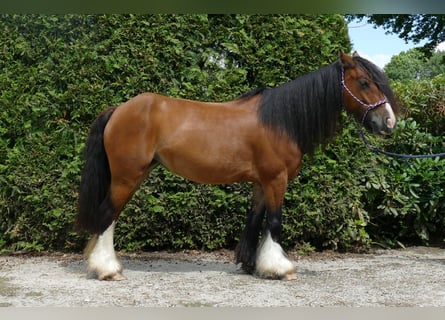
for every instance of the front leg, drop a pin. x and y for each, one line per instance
(271, 261)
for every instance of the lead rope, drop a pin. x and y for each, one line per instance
(374, 149)
(393, 154)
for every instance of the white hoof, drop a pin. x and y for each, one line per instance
(272, 262)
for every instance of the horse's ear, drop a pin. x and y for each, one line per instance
(355, 54)
(346, 60)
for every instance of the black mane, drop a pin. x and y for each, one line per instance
(306, 109)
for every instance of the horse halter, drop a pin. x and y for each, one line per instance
(368, 106)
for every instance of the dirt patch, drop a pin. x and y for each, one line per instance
(409, 277)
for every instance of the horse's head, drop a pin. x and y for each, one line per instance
(367, 94)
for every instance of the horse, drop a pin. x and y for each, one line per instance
(259, 137)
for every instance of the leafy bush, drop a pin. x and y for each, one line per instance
(424, 102)
(407, 197)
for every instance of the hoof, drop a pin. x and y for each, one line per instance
(105, 276)
(274, 275)
(113, 272)
(290, 276)
(112, 277)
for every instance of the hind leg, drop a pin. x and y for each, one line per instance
(247, 246)
(103, 263)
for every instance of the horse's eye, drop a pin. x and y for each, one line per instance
(364, 83)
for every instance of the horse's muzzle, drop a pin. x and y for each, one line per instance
(382, 120)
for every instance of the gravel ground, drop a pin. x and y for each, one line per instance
(409, 277)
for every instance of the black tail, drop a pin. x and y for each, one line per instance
(95, 210)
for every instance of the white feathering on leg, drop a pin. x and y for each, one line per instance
(271, 261)
(102, 259)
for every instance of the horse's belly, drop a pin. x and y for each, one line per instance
(207, 165)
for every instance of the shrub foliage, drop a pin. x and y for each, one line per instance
(59, 72)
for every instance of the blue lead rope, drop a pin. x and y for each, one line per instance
(396, 155)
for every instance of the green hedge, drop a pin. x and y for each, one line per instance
(407, 197)
(59, 72)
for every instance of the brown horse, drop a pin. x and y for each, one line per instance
(260, 137)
